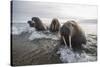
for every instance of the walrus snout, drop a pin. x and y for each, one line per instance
(31, 24)
(64, 31)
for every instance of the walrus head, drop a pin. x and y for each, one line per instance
(38, 24)
(55, 25)
(67, 29)
(36, 19)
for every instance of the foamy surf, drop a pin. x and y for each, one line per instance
(20, 30)
(45, 34)
(69, 56)
(15, 31)
(33, 33)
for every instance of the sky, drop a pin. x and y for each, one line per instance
(24, 10)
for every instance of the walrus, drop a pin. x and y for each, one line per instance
(55, 25)
(31, 24)
(38, 24)
(72, 35)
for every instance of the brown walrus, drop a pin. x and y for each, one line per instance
(38, 24)
(72, 35)
(31, 24)
(55, 25)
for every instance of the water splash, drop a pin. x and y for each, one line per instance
(69, 56)
(21, 29)
(33, 33)
(45, 34)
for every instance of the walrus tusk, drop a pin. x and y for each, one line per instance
(70, 41)
(64, 40)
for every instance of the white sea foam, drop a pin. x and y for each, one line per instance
(36, 34)
(67, 55)
(15, 30)
(20, 29)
